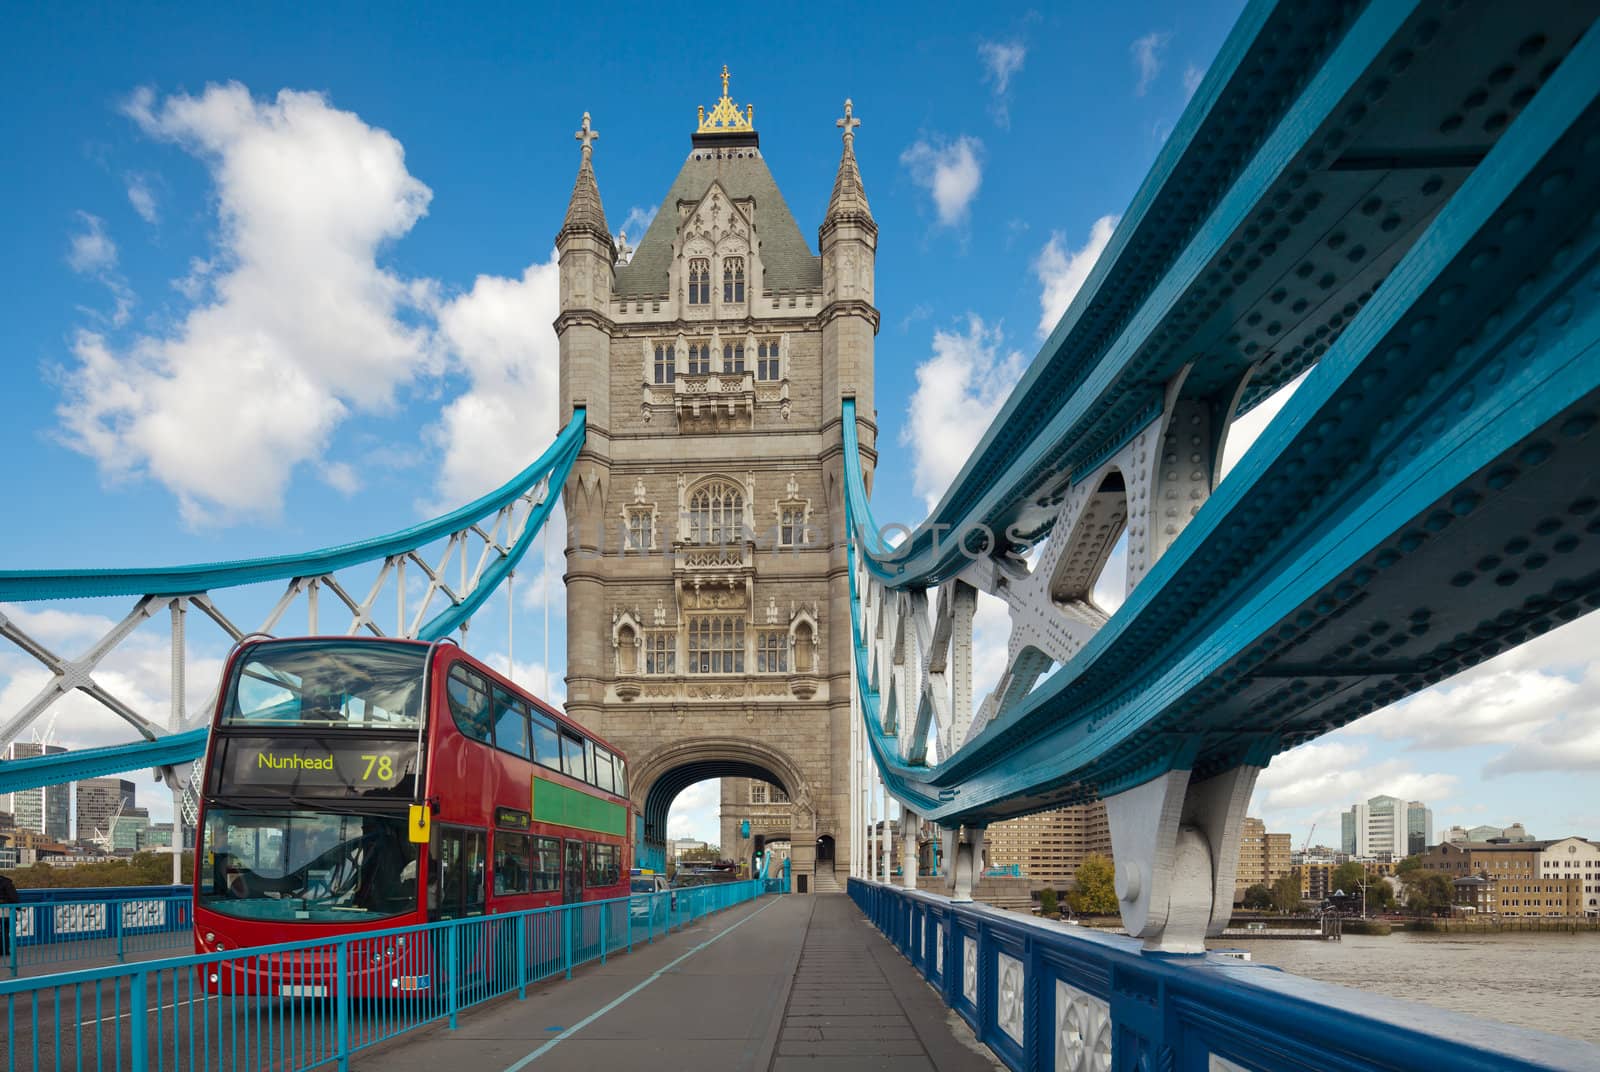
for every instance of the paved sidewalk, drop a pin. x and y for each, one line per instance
(794, 982)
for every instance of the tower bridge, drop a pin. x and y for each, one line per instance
(1397, 201)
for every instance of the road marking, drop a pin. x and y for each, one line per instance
(658, 973)
(162, 1008)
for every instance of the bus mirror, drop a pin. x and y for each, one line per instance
(419, 824)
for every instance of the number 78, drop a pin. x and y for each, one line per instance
(385, 765)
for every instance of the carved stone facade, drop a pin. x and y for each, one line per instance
(707, 622)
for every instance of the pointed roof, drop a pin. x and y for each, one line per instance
(584, 210)
(849, 200)
(786, 259)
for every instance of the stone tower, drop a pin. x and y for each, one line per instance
(707, 616)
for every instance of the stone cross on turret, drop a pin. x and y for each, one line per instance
(849, 122)
(587, 135)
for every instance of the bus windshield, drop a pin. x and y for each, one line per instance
(307, 865)
(328, 683)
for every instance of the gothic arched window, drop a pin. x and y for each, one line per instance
(767, 360)
(716, 644)
(716, 513)
(666, 362)
(733, 279)
(700, 281)
(699, 358)
(733, 357)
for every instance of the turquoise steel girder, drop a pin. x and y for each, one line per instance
(22, 586)
(1427, 499)
(1283, 200)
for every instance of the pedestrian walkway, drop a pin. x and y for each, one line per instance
(787, 983)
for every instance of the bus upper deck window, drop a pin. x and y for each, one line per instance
(572, 756)
(546, 742)
(333, 683)
(510, 724)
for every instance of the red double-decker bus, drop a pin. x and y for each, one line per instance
(357, 784)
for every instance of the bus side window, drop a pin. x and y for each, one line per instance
(510, 724)
(603, 777)
(546, 744)
(588, 762)
(546, 865)
(572, 756)
(469, 703)
(621, 766)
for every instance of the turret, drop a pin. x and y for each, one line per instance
(583, 330)
(849, 242)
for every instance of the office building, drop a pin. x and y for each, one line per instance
(1386, 827)
(1049, 846)
(46, 810)
(99, 801)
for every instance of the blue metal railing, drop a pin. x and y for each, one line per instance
(1052, 995)
(301, 1005)
(92, 928)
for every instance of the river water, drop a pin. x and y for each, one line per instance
(1550, 982)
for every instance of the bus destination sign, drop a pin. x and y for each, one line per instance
(315, 766)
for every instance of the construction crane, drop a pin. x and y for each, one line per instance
(106, 839)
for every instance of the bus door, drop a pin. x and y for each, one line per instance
(456, 872)
(572, 873)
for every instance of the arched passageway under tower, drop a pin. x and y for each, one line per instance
(661, 775)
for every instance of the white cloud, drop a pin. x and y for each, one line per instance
(637, 222)
(500, 333)
(696, 812)
(959, 390)
(91, 249)
(1062, 272)
(1146, 52)
(1192, 76)
(296, 326)
(1539, 702)
(92, 252)
(1001, 60)
(143, 199)
(950, 171)
(1316, 781)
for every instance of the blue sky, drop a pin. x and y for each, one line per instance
(280, 281)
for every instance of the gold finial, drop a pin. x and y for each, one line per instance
(725, 117)
(587, 135)
(849, 122)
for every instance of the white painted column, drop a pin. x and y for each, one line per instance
(909, 823)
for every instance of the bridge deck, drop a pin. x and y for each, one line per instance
(792, 983)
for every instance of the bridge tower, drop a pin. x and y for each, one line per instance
(707, 590)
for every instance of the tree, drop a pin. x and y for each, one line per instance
(1408, 865)
(1347, 877)
(1258, 897)
(1429, 893)
(1048, 905)
(142, 869)
(1094, 891)
(1380, 895)
(1286, 893)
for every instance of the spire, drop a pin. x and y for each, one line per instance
(584, 211)
(849, 200)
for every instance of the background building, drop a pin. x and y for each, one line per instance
(99, 800)
(765, 807)
(1049, 846)
(1263, 858)
(129, 830)
(46, 810)
(1386, 826)
(1514, 832)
